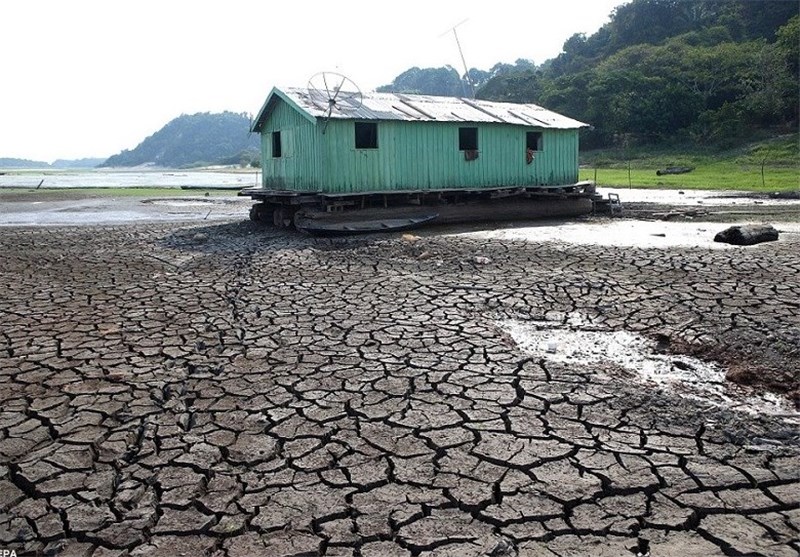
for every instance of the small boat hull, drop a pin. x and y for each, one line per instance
(359, 224)
(217, 188)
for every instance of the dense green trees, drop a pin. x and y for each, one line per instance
(654, 92)
(700, 70)
(195, 140)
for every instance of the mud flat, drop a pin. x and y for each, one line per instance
(215, 388)
(70, 208)
(626, 233)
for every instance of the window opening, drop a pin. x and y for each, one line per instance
(366, 134)
(533, 141)
(468, 139)
(276, 145)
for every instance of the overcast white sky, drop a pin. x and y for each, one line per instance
(88, 78)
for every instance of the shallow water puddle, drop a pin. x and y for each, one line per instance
(637, 354)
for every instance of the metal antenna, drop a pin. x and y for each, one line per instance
(461, 52)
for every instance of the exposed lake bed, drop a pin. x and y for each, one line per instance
(177, 377)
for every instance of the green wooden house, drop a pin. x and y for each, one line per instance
(385, 143)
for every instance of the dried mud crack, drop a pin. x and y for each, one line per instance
(228, 391)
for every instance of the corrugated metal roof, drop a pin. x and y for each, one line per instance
(420, 108)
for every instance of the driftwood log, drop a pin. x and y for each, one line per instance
(747, 235)
(785, 194)
(674, 170)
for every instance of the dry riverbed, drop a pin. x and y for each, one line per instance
(215, 388)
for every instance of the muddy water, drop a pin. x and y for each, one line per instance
(125, 178)
(122, 210)
(688, 376)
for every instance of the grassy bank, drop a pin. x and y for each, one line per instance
(771, 165)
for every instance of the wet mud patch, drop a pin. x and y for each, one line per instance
(642, 359)
(190, 201)
(234, 238)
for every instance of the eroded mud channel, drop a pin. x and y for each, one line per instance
(227, 391)
(621, 353)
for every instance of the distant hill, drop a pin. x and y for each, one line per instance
(60, 163)
(77, 163)
(22, 163)
(195, 140)
(444, 81)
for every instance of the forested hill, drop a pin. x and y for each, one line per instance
(702, 71)
(195, 140)
(8, 162)
(60, 163)
(444, 82)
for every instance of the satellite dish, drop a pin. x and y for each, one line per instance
(334, 92)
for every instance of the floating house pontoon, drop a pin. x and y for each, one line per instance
(345, 161)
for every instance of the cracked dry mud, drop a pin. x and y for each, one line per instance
(231, 391)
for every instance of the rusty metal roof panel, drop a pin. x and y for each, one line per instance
(424, 108)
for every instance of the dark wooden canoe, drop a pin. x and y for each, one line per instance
(218, 188)
(356, 225)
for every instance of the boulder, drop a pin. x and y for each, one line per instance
(747, 235)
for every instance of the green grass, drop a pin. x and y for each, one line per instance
(734, 169)
(715, 176)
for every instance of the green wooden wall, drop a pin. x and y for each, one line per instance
(410, 156)
(298, 168)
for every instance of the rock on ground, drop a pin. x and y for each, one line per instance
(747, 235)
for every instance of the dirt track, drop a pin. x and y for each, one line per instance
(229, 391)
